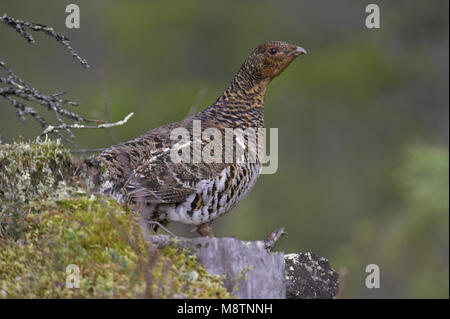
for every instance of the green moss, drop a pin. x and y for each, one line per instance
(34, 170)
(48, 223)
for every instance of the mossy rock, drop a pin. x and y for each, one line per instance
(51, 228)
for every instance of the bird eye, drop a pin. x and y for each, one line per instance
(272, 50)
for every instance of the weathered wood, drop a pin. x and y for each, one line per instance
(252, 272)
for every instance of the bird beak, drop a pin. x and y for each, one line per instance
(299, 51)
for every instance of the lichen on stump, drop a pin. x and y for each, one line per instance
(250, 271)
(309, 276)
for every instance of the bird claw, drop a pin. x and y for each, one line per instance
(205, 230)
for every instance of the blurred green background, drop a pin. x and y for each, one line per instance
(363, 118)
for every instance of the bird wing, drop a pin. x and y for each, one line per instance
(145, 169)
(159, 179)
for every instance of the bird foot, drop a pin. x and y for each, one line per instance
(205, 230)
(270, 242)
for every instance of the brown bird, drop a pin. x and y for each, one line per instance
(142, 172)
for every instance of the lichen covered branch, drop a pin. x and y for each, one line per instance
(16, 88)
(18, 93)
(22, 26)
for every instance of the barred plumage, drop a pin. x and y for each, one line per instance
(142, 173)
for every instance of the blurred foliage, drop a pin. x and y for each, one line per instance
(345, 188)
(411, 246)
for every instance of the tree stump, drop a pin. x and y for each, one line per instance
(250, 271)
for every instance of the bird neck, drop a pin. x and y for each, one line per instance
(246, 90)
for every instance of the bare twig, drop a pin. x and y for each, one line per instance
(155, 222)
(194, 107)
(87, 150)
(52, 129)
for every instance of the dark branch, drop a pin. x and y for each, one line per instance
(16, 91)
(22, 26)
(17, 88)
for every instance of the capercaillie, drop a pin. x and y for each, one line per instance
(143, 174)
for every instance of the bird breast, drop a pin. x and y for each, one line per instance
(213, 197)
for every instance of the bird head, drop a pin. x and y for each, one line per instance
(271, 58)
